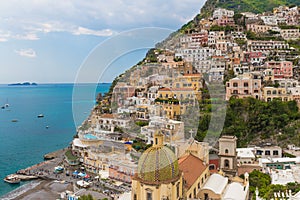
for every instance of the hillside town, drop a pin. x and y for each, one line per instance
(142, 135)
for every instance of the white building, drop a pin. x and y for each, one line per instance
(245, 155)
(220, 12)
(218, 187)
(270, 20)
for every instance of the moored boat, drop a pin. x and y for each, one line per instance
(40, 116)
(12, 179)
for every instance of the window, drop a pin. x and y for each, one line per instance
(245, 84)
(134, 197)
(226, 151)
(206, 197)
(275, 153)
(226, 163)
(267, 152)
(268, 92)
(149, 195)
(235, 84)
(194, 192)
(177, 190)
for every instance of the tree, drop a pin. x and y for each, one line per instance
(86, 197)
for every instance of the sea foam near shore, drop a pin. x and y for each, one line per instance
(20, 190)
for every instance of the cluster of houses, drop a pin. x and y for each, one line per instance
(164, 94)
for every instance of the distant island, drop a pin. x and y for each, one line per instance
(23, 84)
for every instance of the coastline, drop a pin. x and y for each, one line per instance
(42, 172)
(48, 189)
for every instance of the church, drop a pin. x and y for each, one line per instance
(163, 176)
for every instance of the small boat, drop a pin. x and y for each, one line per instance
(40, 116)
(47, 127)
(6, 105)
(14, 120)
(3, 107)
(12, 179)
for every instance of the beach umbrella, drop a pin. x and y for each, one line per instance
(81, 174)
(75, 173)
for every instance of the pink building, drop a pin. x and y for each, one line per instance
(122, 171)
(243, 86)
(225, 20)
(253, 57)
(282, 69)
(121, 92)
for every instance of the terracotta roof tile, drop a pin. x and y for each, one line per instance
(192, 75)
(176, 89)
(192, 167)
(107, 116)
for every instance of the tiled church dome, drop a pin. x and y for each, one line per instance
(158, 163)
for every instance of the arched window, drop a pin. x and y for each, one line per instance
(226, 163)
(149, 194)
(269, 92)
(226, 151)
(235, 84)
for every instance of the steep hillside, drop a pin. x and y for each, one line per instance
(256, 6)
(251, 120)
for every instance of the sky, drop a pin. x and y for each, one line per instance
(51, 41)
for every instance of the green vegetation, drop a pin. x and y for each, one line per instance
(259, 180)
(86, 197)
(266, 190)
(139, 145)
(227, 28)
(250, 119)
(263, 182)
(170, 101)
(289, 27)
(70, 155)
(151, 56)
(295, 44)
(256, 6)
(252, 36)
(142, 123)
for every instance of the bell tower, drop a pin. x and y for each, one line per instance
(227, 155)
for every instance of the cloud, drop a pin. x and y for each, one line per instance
(30, 53)
(27, 36)
(3, 39)
(86, 31)
(31, 18)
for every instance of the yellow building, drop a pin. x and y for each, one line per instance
(158, 174)
(195, 174)
(178, 93)
(270, 93)
(193, 81)
(161, 176)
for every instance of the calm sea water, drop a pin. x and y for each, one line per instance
(24, 143)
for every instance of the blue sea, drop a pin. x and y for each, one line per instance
(23, 143)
